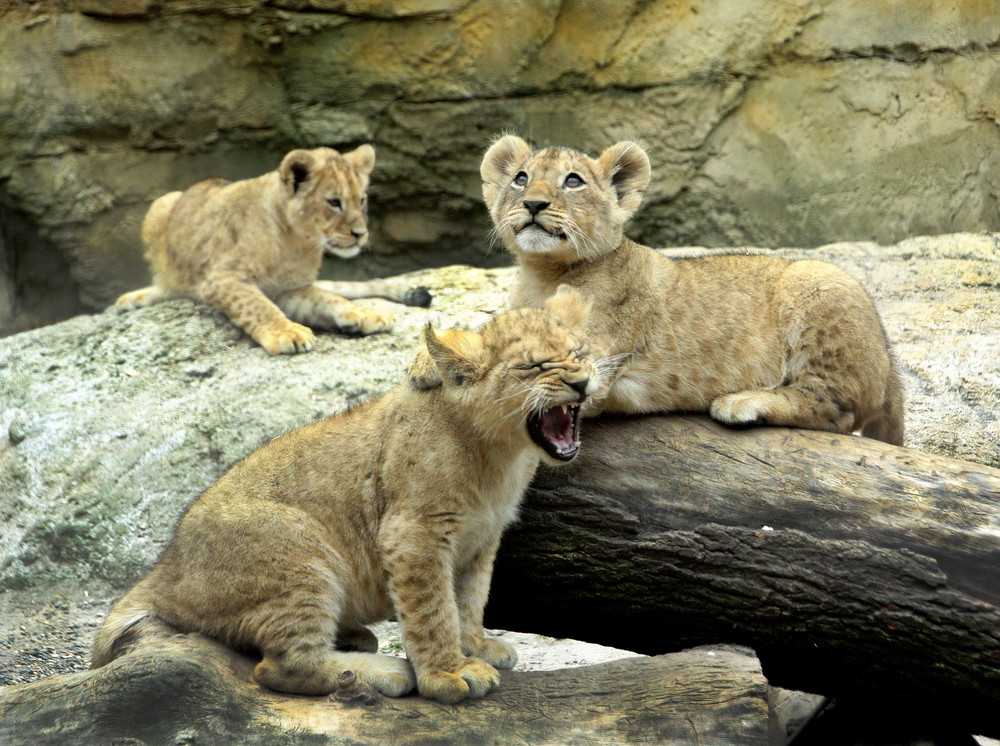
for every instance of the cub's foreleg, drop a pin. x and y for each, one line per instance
(472, 587)
(392, 288)
(140, 298)
(255, 314)
(317, 307)
(418, 552)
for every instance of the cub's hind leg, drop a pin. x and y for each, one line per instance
(315, 306)
(296, 633)
(783, 406)
(838, 372)
(392, 288)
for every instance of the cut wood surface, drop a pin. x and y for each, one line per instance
(853, 568)
(172, 688)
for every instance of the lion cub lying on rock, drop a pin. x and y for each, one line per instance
(394, 507)
(252, 249)
(748, 338)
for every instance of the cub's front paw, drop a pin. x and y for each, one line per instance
(495, 652)
(472, 679)
(364, 321)
(285, 337)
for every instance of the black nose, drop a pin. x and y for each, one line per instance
(358, 234)
(580, 386)
(535, 206)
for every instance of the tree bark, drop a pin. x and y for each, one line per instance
(172, 688)
(855, 569)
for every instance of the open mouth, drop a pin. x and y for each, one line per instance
(557, 430)
(535, 224)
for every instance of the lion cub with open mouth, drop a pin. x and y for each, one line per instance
(394, 507)
(750, 339)
(252, 249)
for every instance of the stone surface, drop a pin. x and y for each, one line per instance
(111, 423)
(794, 122)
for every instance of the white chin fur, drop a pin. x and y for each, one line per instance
(348, 253)
(536, 241)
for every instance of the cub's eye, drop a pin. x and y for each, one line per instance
(528, 366)
(334, 203)
(521, 179)
(573, 181)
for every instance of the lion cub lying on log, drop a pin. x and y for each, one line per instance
(748, 338)
(395, 506)
(252, 249)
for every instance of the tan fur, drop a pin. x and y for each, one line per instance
(750, 339)
(353, 518)
(252, 249)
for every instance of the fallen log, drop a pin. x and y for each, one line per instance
(854, 569)
(172, 688)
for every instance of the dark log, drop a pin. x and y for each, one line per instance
(171, 688)
(854, 569)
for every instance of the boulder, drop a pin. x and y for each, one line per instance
(792, 122)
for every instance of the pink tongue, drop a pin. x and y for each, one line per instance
(558, 428)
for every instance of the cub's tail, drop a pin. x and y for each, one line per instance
(120, 628)
(888, 425)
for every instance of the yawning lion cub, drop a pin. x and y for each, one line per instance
(748, 338)
(393, 507)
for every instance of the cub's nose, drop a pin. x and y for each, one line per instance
(580, 387)
(358, 234)
(535, 206)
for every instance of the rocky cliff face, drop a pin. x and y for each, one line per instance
(792, 122)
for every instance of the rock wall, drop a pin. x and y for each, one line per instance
(769, 122)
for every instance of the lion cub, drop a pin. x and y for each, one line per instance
(748, 338)
(252, 249)
(394, 507)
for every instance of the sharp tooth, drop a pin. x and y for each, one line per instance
(564, 409)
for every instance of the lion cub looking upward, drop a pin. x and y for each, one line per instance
(252, 249)
(395, 506)
(748, 338)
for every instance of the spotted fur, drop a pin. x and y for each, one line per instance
(253, 248)
(751, 339)
(394, 507)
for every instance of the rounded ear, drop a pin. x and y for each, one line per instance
(626, 166)
(569, 306)
(362, 158)
(457, 355)
(498, 165)
(296, 169)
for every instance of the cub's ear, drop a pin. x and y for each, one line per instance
(626, 166)
(362, 158)
(569, 306)
(423, 371)
(498, 166)
(457, 357)
(296, 170)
